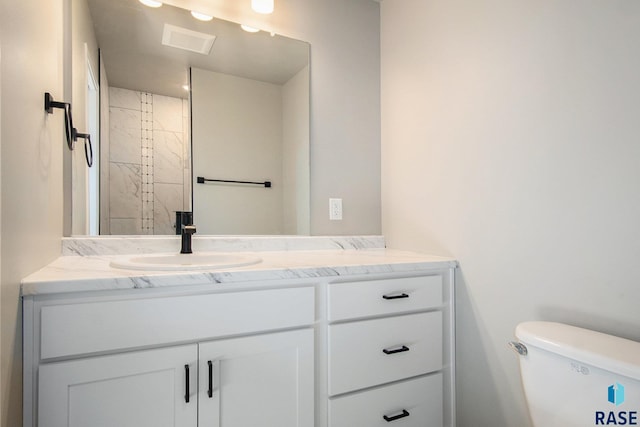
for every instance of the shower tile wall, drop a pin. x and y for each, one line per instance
(149, 162)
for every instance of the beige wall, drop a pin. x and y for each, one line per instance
(345, 100)
(295, 154)
(250, 130)
(237, 135)
(104, 149)
(32, 147)
(510, 141)
(1, 384)
(84, 49)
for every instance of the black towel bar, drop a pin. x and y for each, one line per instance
(202, 180)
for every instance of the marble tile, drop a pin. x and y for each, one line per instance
(167, 113)
(124, 98)
(125, 226)
(167, 200)
(124, 191)
(187, 189)
(186, 138)
(121, 118)
(146, 102)
(168, 150)
(147, 225)
(125, 144)
(185, 108)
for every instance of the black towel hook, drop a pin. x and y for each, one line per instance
(88, 152)
(71, 132)
(50, 104)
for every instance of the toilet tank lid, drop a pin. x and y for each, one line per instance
(608, 352)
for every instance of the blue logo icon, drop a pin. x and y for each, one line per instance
(616, 397)
(616, 394)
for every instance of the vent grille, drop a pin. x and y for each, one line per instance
(183, 38)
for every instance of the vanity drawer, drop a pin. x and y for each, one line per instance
(75, 329)
(379, 297)
(372, 352)
(415, 403)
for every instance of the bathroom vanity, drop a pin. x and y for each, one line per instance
(314, 335)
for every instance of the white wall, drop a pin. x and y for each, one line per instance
(32, 146)
(510, 141)
(237, 135)
(345, 100)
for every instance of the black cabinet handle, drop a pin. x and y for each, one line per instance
(404, 413)
(397, 350)
(186, 383)
(210, 391)
(402, 295)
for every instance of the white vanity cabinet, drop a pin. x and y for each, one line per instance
(390, 352)
(325, 347)
(232, 359)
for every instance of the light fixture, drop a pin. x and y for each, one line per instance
(249, 29)
(151, 3)
(262, 6)
(201, 16)
(185, 87)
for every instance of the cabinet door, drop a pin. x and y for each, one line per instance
(259, 381)
(137, 389)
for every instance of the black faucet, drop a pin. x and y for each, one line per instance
(187, 232)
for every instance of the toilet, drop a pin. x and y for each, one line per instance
(574, 377)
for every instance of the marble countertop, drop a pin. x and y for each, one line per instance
(81, 273)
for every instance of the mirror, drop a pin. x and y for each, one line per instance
(179, 99)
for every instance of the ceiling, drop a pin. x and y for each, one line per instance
(129, 36)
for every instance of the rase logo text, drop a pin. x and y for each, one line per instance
(615, 396)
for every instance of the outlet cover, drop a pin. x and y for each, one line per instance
(335, 209)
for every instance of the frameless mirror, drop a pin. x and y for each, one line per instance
(182, 99)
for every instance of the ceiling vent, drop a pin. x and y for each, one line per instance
(186, 39)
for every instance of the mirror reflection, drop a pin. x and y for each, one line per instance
(180, 98)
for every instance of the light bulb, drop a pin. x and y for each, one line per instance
(151, 3)
(201, 16)
(262, 6)
(249, 29)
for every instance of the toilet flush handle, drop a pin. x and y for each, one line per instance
(519, 348)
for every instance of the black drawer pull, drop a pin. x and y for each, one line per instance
(404, 413)
(402, 295)
(397, 350)
(210, 391)
(186, 383)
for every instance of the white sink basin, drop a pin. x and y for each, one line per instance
(197, 261)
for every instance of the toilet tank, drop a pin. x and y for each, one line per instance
(575, 377)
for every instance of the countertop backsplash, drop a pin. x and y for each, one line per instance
(121, 245)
